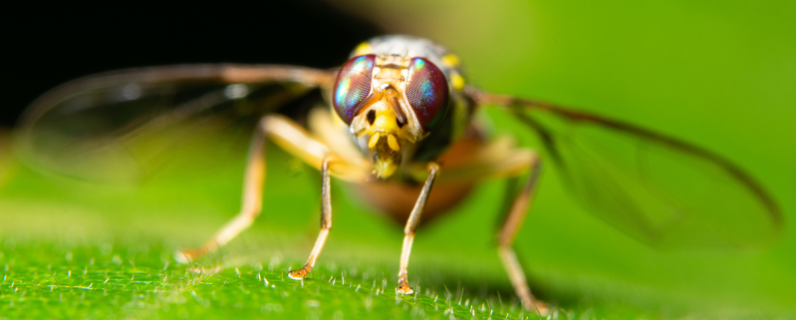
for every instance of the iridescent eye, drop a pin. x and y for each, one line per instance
(427, 92)
(352, 86)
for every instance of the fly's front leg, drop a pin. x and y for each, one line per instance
(326, 222)
(508, 231)
(411, 226)
(288, 135)
(253, 180)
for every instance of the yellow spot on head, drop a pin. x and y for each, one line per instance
(363, 49)
(457, 81)
(451, 60)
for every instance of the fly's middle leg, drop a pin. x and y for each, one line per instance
(411, 226)
(326, 222)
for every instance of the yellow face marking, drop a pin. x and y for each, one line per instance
(393, 143)
(373, 140)
(378, 116)
(363, 49)
(385, 121)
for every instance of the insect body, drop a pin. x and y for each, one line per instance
(401, 127)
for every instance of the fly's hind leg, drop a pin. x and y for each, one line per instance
(411, 226)
(288, 135)
(500, 159)
(508, 231)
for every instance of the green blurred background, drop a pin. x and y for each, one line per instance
(718, 74)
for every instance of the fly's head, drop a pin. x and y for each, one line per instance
(393, 102)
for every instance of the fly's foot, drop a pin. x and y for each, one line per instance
(537, 306)
(188, 255)
(404, 288)
(299, 274)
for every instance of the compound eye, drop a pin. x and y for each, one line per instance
(427, 92)
(352, 86)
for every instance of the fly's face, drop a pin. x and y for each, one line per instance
(391, 102)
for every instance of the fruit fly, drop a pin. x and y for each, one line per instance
(404, 126)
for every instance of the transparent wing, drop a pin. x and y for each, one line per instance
(656, 188)
(122, 125)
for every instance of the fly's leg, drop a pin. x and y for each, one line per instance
(500, 159)
(288, 135)
(411, 226)
(326, 223)
(508, 231)
(253, 180)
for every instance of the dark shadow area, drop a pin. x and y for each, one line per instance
(47, 45)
